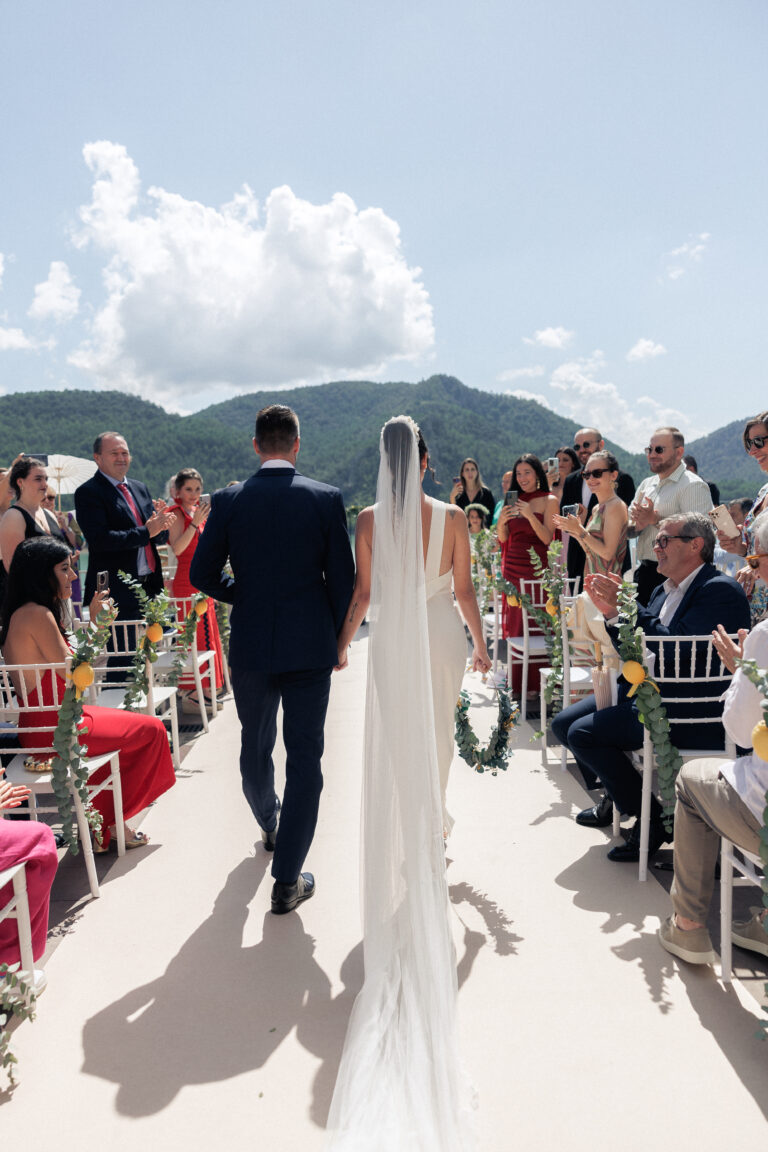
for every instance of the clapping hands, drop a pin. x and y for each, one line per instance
(11, 795)
(729, 652)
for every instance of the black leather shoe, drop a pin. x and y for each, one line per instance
(285, 897)
(629, 853)
(268, 838)
(599, 816)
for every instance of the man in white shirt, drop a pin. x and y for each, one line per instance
(669, 490)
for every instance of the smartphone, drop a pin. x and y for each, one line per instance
(551, 464)
(41, 456)
(205, 498)
(102, 581)
(458, 480)
(569, 510)
(511, 498)
(723, 521)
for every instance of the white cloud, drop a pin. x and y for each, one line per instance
(56, 298)
(679, 260)
(550, 337)
(2, 268)
(524, 394)
(14, 340)
(645, 350)
(202, 299)
(587, 398)
(521, 374)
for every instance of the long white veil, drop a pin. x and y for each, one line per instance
(400, 1086)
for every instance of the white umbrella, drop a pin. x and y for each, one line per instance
(69, 472)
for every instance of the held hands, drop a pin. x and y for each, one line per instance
(603, 592)
(11, 795)
(729, 652)
(159, 521)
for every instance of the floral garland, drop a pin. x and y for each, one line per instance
(650, 707)
(495, 753)
(483, 547)
(157, 614)
(222, 619)
(17, 998)
(759, 677)
(185, 637)
(69, 765)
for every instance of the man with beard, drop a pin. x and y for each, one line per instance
(577, 491)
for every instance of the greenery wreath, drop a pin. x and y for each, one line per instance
(493, 755)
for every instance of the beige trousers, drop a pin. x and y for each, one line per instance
(707, 808)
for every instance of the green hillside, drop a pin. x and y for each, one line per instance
(340, 432)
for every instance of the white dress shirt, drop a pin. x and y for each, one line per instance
(748, 775)
(675, 593)
(681, 491)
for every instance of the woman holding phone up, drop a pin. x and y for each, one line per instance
(468, 488)
(190, 514)
(604, 539)
(526, 521)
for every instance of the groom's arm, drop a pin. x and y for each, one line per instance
(212, 554)
(339, 565)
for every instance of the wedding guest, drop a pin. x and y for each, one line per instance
(470, 489)
(692, 466)
(527, 524)
(739, 510)
(717, 798)
(32, 843)
(476, 517)
(567, 463)
(604, 538)
(29, 483)
(576, 491)
(32, 632)
(189, 516)
(755, 438)
(506, 480)
(693, 600)
(670, 490)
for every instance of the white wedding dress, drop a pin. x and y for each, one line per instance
(400, 1086)
(447, 649)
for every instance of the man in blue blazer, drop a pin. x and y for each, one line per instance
(694, 598)
(121, 525)
(285, 538)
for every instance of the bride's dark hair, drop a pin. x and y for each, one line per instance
(32, 580)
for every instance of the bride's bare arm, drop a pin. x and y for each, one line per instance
(465, 592)
(361, 594)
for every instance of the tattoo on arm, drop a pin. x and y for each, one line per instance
(352, 611)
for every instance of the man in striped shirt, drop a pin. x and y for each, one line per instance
(668, 491)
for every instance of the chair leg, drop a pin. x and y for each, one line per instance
(175, 752)
(645, 811)
(212, 682)
(543, 709)
(726, 910)
(85, 840)
(117, 799)
(200, 693)
(23, 922)
(227, 678)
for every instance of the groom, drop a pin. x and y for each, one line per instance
(285, 537)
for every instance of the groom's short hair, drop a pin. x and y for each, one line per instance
(277, 429)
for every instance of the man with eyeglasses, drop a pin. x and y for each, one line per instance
(577, 491)
(693, 600)
(670, 489)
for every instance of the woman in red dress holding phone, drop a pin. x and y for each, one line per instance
(190, 514)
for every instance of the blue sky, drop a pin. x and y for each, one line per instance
(563, 199)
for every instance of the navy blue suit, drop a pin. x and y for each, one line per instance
(114, 539)
(286, 539)
(598, 739)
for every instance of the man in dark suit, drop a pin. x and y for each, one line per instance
(286, 539)
(576, 491)
(121, 525)
(693, 600)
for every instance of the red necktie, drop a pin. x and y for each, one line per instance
(135, 513)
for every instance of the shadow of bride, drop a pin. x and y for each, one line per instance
(218, 1010)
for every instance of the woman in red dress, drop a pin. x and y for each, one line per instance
(32, 632)
(184, 533)
(526, 524)
(31, 843)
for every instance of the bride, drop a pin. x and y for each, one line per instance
(400, 1087)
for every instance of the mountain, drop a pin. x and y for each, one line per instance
(341, 422)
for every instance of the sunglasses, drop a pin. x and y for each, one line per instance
(754, 561)
(596, 472)
(661, 541)
(658, 450)
(754, 442)
(586, 444)
(48, 499)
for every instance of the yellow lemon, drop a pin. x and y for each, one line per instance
(201, 607)
(550, 608)
(155, 633)
(632, 671)
(760, 740)
(82, 677)
(513, 601)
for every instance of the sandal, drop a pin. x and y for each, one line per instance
(138, 840)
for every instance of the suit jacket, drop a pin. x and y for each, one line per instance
(625, 488)
(114, 538)
(710, 599)
(285, 537)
